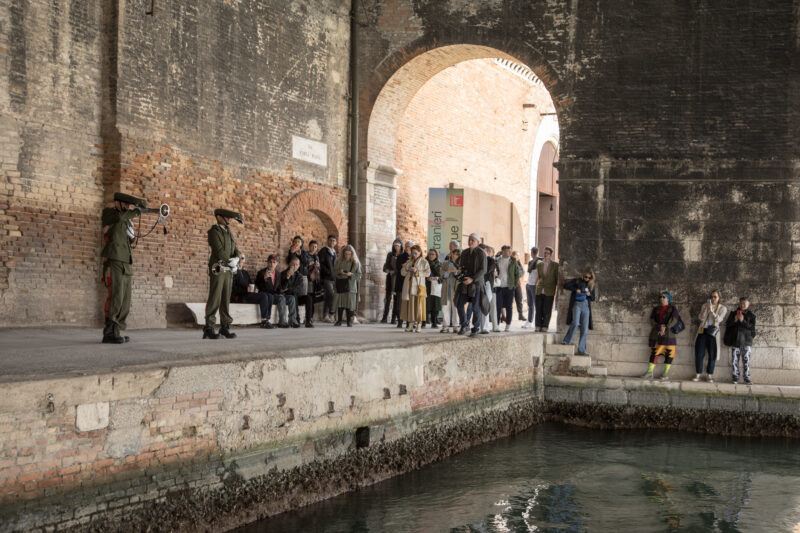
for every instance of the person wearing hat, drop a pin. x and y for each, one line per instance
(666, 324)
(471, 288)
(118, 234)
(223, 249)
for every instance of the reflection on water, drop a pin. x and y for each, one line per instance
(565, 479)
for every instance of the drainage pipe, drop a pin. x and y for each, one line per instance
(353, 215)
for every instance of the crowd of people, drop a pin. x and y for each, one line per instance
(473, 291)
(311, 275)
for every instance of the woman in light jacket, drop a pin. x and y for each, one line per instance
(414, 272)
(712, 315)
(449, 285)
(347, 269)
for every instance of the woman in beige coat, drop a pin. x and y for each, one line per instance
(414, 272)
(712, 315)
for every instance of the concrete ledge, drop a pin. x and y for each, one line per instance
(767, 399)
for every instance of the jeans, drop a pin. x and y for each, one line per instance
(329, 286)
(744, 353)
(530, 292)
(287, 306)
(264, 301)
(702, 344)
(544, 308)
(505, 301)
(518, 300)
(580, 315)
(473, 312)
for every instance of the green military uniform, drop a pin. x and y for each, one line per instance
(118, 265)
(223, 248)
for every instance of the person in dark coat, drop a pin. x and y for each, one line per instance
(398, 285)
(391, 270)
(471, 288)
(583, 292)
(290, 288)
(740, 329)
(241, 293)
(304, 295)
(433, 304)
(327, 257)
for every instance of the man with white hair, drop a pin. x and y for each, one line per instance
(473, 268)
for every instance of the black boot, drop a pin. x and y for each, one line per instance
(339, 319)
(349, 318)
(111, 334)
(226, 332)
(208, 333)
(400, 324)
(265, 324)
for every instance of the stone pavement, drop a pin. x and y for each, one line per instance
(30, 354)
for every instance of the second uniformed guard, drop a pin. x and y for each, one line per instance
(221, 266)
(118, 234)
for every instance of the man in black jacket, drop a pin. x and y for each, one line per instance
(290, 286)
(327, 256)
(740, 329)
(392, 271)
(241, 293)
(398, 281)
(473, 269)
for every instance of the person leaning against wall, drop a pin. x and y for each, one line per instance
(740, 330)
(712, 315)
(666, 324)
(583, 293)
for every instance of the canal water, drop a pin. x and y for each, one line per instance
(563, 478)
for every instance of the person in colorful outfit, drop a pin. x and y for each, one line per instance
(740, 329)
(667, 323)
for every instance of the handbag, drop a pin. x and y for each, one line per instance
(711, 330)
(342, 285)
(422, 291)
(436, 289)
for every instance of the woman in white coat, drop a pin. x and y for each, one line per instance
(414, 272)
(712, 315)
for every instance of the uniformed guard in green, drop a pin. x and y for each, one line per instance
(118, 234)
(223, 249)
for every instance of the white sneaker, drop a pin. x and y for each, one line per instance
(508, 327)
(495, 330)
(709, 379)
(526, 325)
(696, 377)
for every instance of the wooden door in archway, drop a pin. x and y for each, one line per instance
(547, 208)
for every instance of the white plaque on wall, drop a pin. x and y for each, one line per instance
(310, 151)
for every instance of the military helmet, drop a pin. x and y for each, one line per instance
(227, 213)
(130, 199)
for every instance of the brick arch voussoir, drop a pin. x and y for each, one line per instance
(320, 203)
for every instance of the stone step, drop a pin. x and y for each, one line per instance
(559, 349)
(580, 362)
(597, 371)
(549, 338)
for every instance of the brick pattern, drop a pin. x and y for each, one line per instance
(44, 454)
(194, 187)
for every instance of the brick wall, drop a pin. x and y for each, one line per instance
(194, 105)
(465, 126)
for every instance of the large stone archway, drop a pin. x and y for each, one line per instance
(392, 87)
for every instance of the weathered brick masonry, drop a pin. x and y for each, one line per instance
(194, 105)
(679, 141)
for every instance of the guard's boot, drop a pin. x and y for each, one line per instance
(224, 331)
(111, 334)
(208, 333)
(349, 318)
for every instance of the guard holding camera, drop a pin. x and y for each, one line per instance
(118, 234)
(222, 264)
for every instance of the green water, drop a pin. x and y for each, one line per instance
(562, 478)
